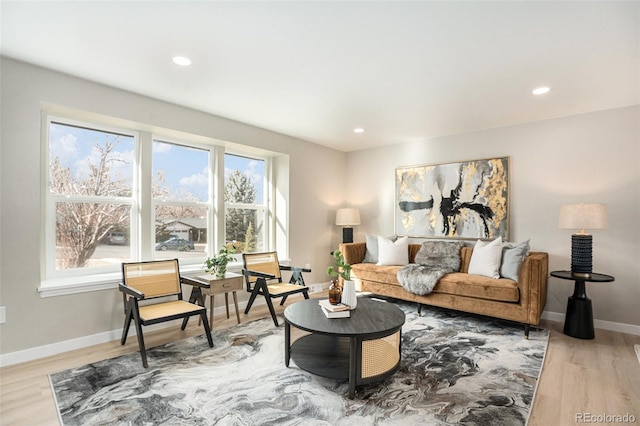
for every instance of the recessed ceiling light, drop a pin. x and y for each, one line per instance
(541, 90)
(182, 61)
(358, 130)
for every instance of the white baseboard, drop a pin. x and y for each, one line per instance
(108, 336)
(601, 324)
(94, 339)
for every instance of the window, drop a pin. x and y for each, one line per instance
(245, 203)
(90, 196)
(181, 187)
(117, 194)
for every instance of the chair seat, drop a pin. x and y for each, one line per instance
(281, 288)
(161, 310)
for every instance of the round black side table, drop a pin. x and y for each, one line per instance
(578, 321)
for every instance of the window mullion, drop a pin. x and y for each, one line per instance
(144, 217)
(218, 211)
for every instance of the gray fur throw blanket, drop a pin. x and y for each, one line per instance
(433, 261)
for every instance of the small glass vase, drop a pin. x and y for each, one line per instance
(221, 271)
(335, 293)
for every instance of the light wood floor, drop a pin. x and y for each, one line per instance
(600, 376)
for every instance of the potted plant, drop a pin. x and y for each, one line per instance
(341, 268)
(217, 265)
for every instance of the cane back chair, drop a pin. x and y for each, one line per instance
(262, 273)
(152, 293)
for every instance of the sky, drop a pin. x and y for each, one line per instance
(185, 169)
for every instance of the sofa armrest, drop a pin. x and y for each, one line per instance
(353, 252)
(532, 282)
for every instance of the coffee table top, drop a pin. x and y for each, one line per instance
(368, 319)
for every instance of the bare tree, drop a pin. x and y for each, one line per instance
(81, 226)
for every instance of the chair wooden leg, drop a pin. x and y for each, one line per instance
(252, 298)
(261, 284)
(273, 311)
(211, 312)
(143, 350)
(207, 329)
(305, 294)
(284, 299)
(127, 324)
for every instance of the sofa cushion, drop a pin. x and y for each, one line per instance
(371, 272)
(393, 253)
(440, 254)
(485, 259)
(457, 283)
(371, 254)
(512, 257)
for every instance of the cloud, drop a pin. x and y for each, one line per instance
(161, 147)
(199, 179)
(65, 148)
(69, 143)
(249, 172)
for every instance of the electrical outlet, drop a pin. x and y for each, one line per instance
(316, 288)
(3, 314)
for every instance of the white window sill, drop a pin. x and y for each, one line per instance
(107, 281)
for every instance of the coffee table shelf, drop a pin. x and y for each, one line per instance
(363, 348)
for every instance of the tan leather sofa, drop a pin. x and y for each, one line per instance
(522, 301)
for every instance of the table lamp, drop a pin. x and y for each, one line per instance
(582, 216)
(347, 218)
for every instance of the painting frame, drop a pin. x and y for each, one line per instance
(460, 200)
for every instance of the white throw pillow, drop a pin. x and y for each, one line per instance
(393, 253)
(486, 257)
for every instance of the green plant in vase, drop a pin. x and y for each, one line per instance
(340, 267)
(217, 265)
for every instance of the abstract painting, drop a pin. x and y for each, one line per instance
(468, 199)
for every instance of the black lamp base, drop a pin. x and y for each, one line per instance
(581, 254)
(347, 234)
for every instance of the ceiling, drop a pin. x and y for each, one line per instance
(403, 71)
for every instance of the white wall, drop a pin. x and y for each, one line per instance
(316, 176)
(585, 158)
(592, 157)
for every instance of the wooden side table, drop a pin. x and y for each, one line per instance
(578, 321)
(230, 283)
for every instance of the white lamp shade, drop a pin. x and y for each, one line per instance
(583, 216)
(348, 217)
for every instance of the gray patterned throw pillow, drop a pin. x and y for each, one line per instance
(441, 254)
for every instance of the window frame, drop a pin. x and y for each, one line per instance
(53, 276)
(142, 218)
(209, 204)
(265, 208)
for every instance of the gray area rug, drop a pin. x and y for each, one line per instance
(456, 369)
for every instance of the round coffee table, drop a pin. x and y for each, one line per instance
(363, 348)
